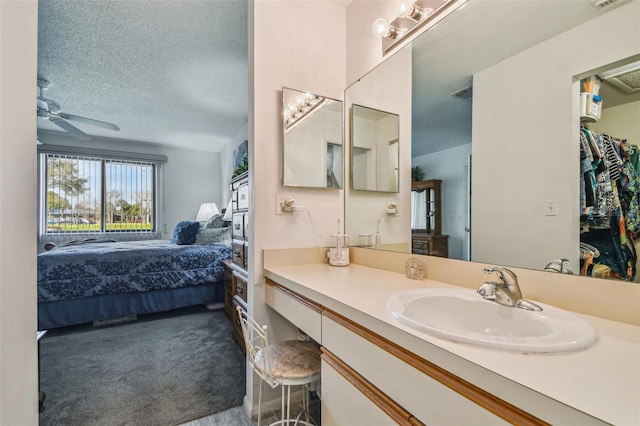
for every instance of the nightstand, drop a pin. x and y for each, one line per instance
(235, 294)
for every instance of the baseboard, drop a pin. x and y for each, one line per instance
(112, 321)
(215, 305)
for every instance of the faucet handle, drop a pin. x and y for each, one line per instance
(488, 291)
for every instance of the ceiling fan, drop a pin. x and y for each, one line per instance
(50, 110)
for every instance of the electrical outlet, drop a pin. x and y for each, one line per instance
(284, 204)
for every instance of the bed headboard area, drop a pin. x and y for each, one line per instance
(215, 231)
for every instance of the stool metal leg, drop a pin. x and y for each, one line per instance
(260, 401)
(305, 401)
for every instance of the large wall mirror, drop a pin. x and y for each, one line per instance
(387, 89)
(374, 149)
(495, 116)
(312, 146)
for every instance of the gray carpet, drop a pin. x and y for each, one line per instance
(163, 369)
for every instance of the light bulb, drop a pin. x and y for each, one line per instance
(409, 9)
(381, 28)
(404, 8)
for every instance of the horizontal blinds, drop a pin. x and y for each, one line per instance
(86, 194)
(101, 153)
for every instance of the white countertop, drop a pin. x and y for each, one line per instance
(602, 381)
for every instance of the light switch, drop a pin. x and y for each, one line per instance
(551, 207)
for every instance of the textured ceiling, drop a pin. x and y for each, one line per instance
(166, 72)
(469, 40)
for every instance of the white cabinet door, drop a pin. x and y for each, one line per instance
(344, 405)
(426, 399)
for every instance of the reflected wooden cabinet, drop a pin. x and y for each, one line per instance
(426, 219)
(236, 277)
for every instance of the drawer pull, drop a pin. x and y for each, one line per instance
(240, 288)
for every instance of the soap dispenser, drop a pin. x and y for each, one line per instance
(378, 236)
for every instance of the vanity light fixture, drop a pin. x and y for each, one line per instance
(301, 108)
(413, 17)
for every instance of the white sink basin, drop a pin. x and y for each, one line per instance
(462, 315)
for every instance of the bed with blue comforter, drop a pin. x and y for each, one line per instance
(97, 281)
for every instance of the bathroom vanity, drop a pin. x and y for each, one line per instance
(375, 370)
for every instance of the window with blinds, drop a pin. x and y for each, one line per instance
(85, 194)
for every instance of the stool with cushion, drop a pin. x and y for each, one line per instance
(285, 364)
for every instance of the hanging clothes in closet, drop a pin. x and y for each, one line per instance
(609, 203)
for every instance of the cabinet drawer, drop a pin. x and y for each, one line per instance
(239, 285)
(344, 404)
(238, 253)
(236, 328)
(234, 201)
(302, 313)
(238, 226)
(421, 244)
(425, 398)
(243, 197)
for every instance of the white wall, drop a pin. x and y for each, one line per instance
(621, 121)
(297, 44)
(190, 177)
(450, 166)
(527, 154)
(18, 350)
(390, 92)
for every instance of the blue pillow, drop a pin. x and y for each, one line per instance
(185, 232)
(217, 221)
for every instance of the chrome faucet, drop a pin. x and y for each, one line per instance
(506, 291)
(558, 265)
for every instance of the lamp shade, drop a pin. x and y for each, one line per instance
(228, 214)
(206, 212)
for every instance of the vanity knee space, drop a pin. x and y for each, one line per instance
(301, 312)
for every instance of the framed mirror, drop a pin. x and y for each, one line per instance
(503, 153)
(374, 149)
(312, 129)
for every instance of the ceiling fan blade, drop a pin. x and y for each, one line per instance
(73, 130)
(42, 105)
(90, 121)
